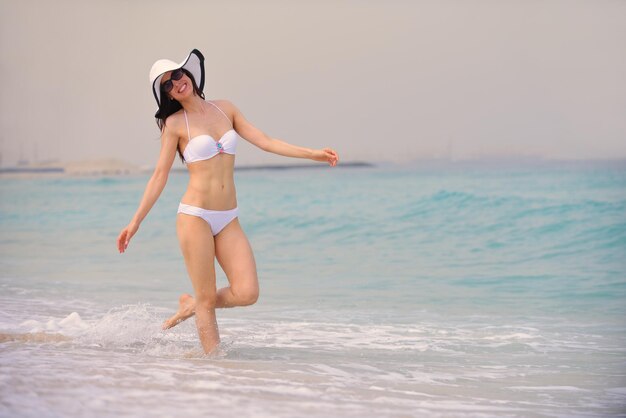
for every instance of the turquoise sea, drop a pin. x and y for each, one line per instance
(439, 290)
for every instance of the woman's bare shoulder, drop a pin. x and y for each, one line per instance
(174, 123)
(175, 118)
(225, 105)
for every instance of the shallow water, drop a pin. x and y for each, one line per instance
(453, 291)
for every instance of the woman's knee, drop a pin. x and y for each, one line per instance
(246, 295)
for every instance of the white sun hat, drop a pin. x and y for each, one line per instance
(194, 63)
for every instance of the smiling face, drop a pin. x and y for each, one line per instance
(177, 85)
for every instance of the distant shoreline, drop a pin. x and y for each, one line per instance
(121, 168)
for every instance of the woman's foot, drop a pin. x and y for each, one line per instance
(186, 309)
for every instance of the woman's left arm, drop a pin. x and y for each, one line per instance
(257, 137)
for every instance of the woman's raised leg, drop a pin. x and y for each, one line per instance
(235, 256)
(198, 247)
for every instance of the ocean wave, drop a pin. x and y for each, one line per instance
(137, 328)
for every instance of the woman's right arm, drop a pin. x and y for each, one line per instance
(156, 184)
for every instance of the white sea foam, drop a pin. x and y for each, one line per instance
(550, 388)
(383, 368)
(516, 336)
(70, 325)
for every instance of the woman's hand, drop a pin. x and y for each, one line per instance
(124, 238)
(328, 155)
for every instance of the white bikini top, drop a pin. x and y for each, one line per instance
(204, 147)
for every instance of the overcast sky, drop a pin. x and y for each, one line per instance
(377, 80)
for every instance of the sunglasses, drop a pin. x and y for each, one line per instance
(176, 75)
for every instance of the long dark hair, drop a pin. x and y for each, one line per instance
(170, 106)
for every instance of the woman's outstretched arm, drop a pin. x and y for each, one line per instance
(156, 184)
(257, 137)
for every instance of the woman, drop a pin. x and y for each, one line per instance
(205, 134)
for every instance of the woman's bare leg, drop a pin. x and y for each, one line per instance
(198, 247)
(235, 256)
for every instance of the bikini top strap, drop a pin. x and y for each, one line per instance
(218, 108)
(187, 123)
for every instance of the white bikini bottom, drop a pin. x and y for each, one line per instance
(217, 219)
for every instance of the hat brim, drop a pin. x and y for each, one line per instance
(194, 63)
